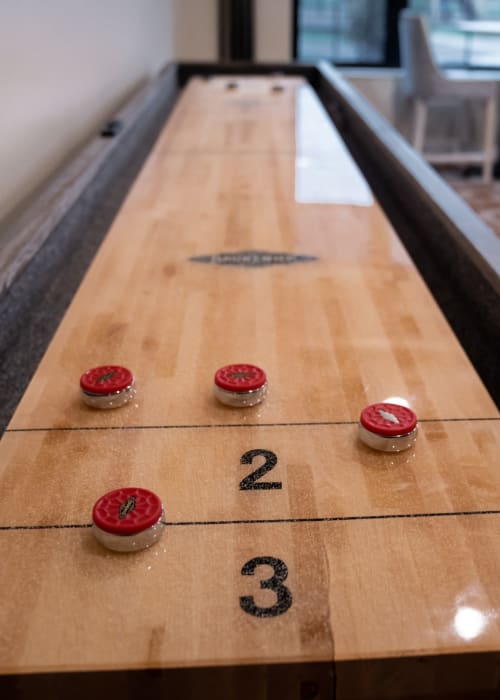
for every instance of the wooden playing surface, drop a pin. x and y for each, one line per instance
(386, 556)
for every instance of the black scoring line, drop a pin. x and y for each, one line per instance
(272, 521)
(333, 518)
(71, 526)
(205, 426)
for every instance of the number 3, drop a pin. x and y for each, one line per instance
(284, 596)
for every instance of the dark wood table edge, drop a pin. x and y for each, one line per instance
(466, 676)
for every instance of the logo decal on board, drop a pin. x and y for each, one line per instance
(253, 258)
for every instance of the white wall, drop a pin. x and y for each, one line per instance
(196, 30)
(65, 65)
(273, 30)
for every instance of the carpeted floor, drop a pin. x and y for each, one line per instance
(484, 199)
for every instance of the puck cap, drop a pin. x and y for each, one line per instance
(240, 378)
(388, 419)
(127, 511)
(107, 379)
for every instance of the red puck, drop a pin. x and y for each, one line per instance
(107, 379)
(127, 511)
(240, 378)
(388, 419)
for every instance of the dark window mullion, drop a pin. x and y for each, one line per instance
(393, 9)
(295, 29)
(236, 29)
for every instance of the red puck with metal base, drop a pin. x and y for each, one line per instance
(240, 385)
(108, 386)
(128, 519)
(388, 427)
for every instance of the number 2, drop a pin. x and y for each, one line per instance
(251, 481)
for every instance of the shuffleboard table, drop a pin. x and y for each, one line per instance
(296, 561)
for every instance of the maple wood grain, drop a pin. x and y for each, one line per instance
(390, 558)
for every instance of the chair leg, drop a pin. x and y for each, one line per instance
(490, 124)
(419, 125)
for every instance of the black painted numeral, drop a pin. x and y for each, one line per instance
(251, 481)
(283, 594)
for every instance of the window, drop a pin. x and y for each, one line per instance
(348, 32)
(464, 33)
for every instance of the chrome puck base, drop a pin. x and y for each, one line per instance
(387, 443)
(114, 400)
(130, 543)
(240, 399)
